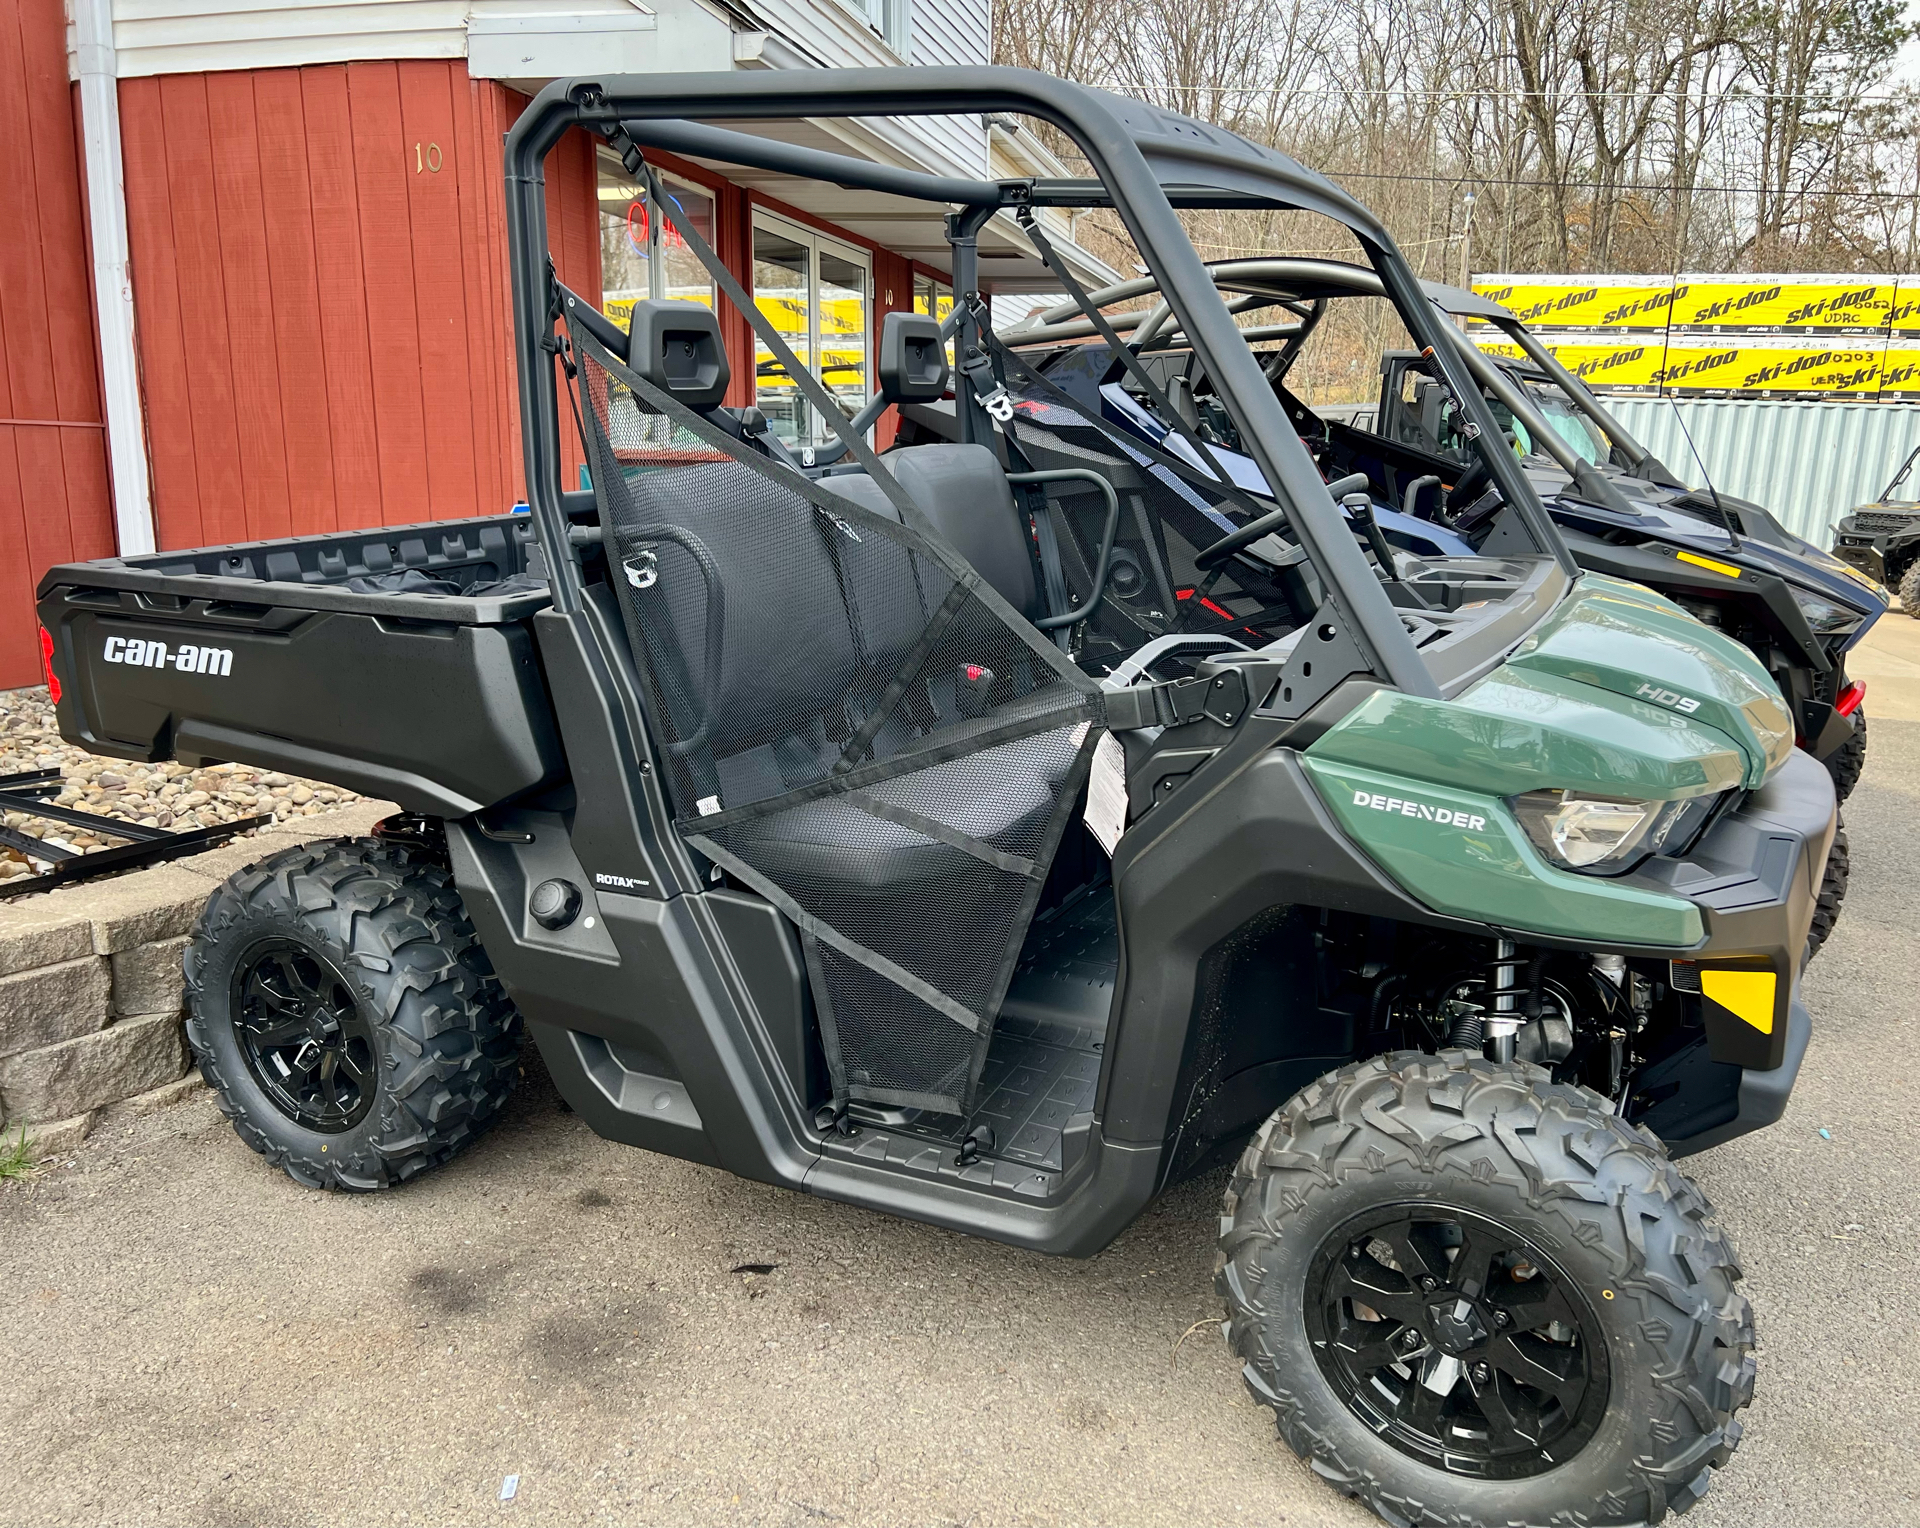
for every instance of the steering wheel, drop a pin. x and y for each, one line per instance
(1272, 521)
(1468, 488)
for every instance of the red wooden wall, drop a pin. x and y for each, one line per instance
(55, 499)
(319, 270)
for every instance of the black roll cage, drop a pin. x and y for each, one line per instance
(1147, 162)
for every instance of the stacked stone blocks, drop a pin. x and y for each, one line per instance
(90, 986)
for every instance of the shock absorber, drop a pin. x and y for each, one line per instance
(1496, 1013)
(1504, 1021)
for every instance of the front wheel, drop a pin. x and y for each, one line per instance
(1472, 1295)
(1846, 761)
(1833, 890)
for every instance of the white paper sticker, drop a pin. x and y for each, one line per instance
(708, 805)
(1106, 813)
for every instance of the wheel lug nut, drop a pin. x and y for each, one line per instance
(1481, 1374)
(1501, 1318)
(1429, 1283)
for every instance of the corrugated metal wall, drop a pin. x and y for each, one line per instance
(1810, 463)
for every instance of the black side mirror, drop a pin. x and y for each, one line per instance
(676, 346)
(913, 359)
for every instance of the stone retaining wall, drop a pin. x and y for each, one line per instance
(90, 985)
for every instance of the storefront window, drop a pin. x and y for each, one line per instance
(818, 294)
(843, 329)
(933, 298)
(639, 260)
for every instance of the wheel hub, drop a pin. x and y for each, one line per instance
(1455, 1325)
(304, 1038)
(1457, 1341)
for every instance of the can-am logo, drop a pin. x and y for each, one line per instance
(187, 659)
(1673, 698)
(1425, 811)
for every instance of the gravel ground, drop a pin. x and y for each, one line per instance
(187, 1337)
(165, 795)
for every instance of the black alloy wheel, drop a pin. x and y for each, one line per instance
(345, 1014)
(1456, 1341)
(304, 1038)
(1471, 1294)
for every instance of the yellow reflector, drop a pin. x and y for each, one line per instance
(1747, 995)
(1708, 563)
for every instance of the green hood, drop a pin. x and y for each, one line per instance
(1623, 637)
(1619, 692)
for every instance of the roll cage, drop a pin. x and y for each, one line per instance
(1146, 163)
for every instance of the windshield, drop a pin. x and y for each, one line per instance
(1558, 411)
(1569, 423)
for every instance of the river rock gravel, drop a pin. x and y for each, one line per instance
(166, 795)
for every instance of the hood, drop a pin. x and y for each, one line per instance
(1618, 691)
(1661, 514)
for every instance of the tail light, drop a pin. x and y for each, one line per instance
(46, 663)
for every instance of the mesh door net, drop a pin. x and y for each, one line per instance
(849, 721)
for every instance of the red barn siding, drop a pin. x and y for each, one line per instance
(324, 327)
(55, 500)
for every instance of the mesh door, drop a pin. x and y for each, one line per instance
(850, 722)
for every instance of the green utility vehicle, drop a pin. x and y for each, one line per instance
(887, 828)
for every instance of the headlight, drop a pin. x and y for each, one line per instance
(1824, 616)
(1584, 831)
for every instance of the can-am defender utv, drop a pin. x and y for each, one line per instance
(1440, 894)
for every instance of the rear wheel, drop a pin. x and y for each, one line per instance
(1470, 1294)
(1910, 588)
(341, 1007)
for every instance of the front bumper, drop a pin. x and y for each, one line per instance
(1869, 559)
(1755, 876)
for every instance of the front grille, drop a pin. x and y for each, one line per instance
(1883, 520)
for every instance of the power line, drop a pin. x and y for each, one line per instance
(1595, 185)
(1570, 94)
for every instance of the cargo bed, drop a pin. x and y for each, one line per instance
(289, 655)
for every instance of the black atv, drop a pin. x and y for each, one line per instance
(914, 830)
(1882, 539)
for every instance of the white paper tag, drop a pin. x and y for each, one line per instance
(707, 805)
(1106, 814)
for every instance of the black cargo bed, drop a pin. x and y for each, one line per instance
(262, 653)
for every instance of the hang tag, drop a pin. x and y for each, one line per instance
(1106, 814)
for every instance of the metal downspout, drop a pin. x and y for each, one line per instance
(96, 70)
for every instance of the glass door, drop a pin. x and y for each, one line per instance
(783, 292)
(818, 293)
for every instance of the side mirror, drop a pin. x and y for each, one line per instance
(913, 359)
(676, 346)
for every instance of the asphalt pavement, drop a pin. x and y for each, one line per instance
(188, 1337)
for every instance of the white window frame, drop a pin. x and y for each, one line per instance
(669, 182)
(890, 20)
(814, 242)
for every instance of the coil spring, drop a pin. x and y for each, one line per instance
(1469, 1028)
